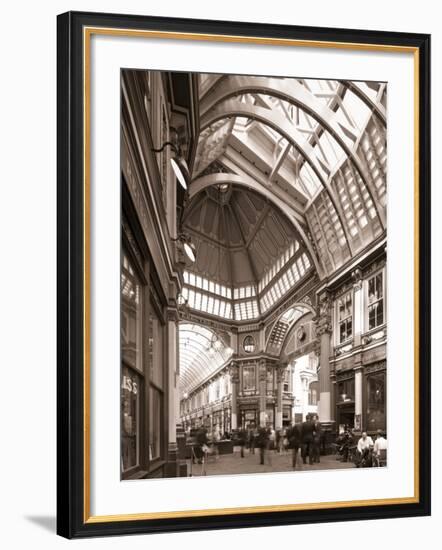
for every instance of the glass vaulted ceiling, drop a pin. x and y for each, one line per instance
(319, 146)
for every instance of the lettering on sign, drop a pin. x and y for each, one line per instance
(129, 385)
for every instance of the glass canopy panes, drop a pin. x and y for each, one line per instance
(285, 282)
(202, 294)
(278, 265)
(350, 113)
(208, 304)
(282, 326)
(197, 281)
(198, 358)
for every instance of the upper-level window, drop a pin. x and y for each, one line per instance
(345, 316)
(376, 301)
(312, 395)
(248, 378)
(249, 344)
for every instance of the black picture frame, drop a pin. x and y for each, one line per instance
(71, 518)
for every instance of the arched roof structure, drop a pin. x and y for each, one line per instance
(198, 360)
(309, 153)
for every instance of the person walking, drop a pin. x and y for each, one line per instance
(262, 442)
(307, 429)
(295, 440)
(242, 435)
(316, 442)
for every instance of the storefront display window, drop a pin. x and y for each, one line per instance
(130, 316)
(156, 380)
(130, 418)
(346, 390)
(155, 423)
(131, 308)
(376, 402)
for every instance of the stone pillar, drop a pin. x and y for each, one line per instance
(323, 332)
(262, 392)
(173, 392)
(280, 372)
(358, 307)
(304, 396)
(358, 400)
(174, 414)
(234, 379)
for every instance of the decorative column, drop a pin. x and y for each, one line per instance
(280, 372)
(262, 392)
(173, 393)
(323, 332)
(234, 379)
(358, 309)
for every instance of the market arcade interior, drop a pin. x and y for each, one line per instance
(253, 273)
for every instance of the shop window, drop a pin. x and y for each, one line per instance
(130, 418)
(155, 423)
(248, 378)
(156, 379)
(376, 402)
(130, 316)
(345, 317)
(346, 390)
(156, 336)
(375, 301)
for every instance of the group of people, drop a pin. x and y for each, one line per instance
(371, 453)
(303, 439)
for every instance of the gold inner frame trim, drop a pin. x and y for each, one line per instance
(87, 34)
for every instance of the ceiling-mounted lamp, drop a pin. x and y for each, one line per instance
(178, 162)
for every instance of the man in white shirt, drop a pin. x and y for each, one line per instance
(365, 442)
(380, 446)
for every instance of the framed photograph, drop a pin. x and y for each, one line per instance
(243, 274)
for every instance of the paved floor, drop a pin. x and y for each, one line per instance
(274, 462)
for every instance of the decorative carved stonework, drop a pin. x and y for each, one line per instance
(375, 367)
(357, 278)
(173, 314)
(280, 372)
(262, 370)
(132, 242)
(234, 372)
(323, 319)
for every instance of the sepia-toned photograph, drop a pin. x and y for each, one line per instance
(253, 274)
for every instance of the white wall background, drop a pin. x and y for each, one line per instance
(28, 279)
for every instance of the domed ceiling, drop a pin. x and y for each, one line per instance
(238, 234)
